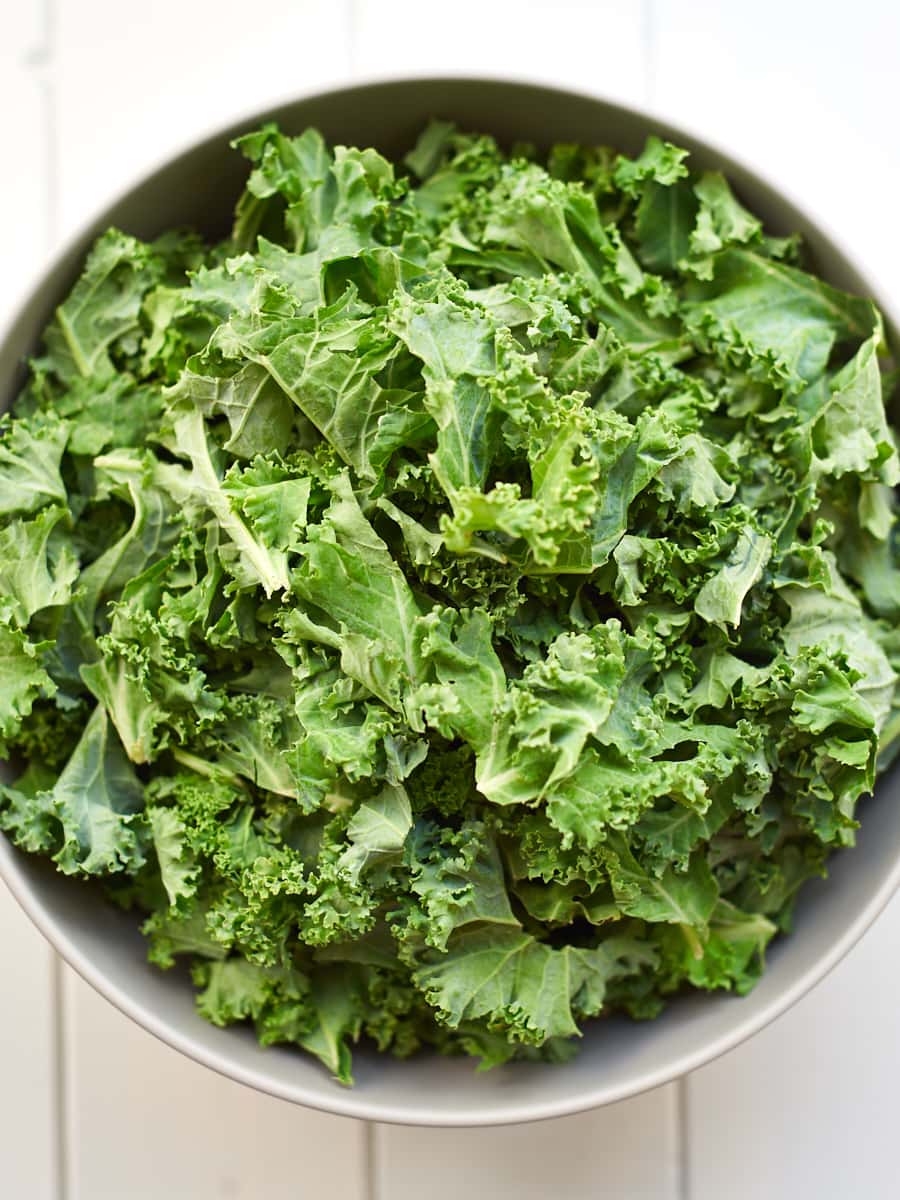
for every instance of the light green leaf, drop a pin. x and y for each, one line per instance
(378, 831)
(96, 800)
(37, 565)
(721, 598)
(30, 454)
(22, 679)
(102, 309)
(177, 865)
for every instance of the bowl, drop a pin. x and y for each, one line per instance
(618, 1058)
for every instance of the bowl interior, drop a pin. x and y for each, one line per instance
(618, 1058)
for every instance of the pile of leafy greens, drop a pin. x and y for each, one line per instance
(464, 602)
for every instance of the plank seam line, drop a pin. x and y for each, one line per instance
(648, 50)
(370, 1158)
(682, 1117)
(57, 991)
(353, 19)
(42, 59)
(41, 53)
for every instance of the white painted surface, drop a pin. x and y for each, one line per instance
(94, 91)
(628, 1151)
(808, 1107)
(25, 102)
(28, 1053)
(808, 91)
(144, 1122)
(138, 81)
(582, 43)
(29, 1130)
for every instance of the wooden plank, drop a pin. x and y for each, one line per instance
(804, 1108)
(808, 1106)
(28, 1017)
(147, 1122)
(578, 43)
(598, 47)
(28, 1084)
(24, 94)
(143, 1120)
(809, 96)
(626, 1150)
(138, 83)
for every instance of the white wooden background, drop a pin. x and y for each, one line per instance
(91, 92)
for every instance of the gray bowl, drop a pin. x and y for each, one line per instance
(618, 1058)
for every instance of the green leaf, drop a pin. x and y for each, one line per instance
(664, 223)
(791, 320)
(721, 220)
(30, 454)
(832, 619)
(721, 598)
(850, 431)
(116, 413)
(629, 457)
(96, 800)
(257, 563)
(470, 677)
(132, 710)
(260, 416)
(684, 898)
(22, 679)
(336, 1007)
(520, 985)
(377, 831)
(272, 500)
(177, 865)
(319, 364)
(37, 566)
(253, 738)
(588, 690)
(102, 310)
(457, 880)
(348, 573)
(456, 347)
(659, 161)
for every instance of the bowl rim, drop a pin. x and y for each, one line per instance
(347, 1102)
